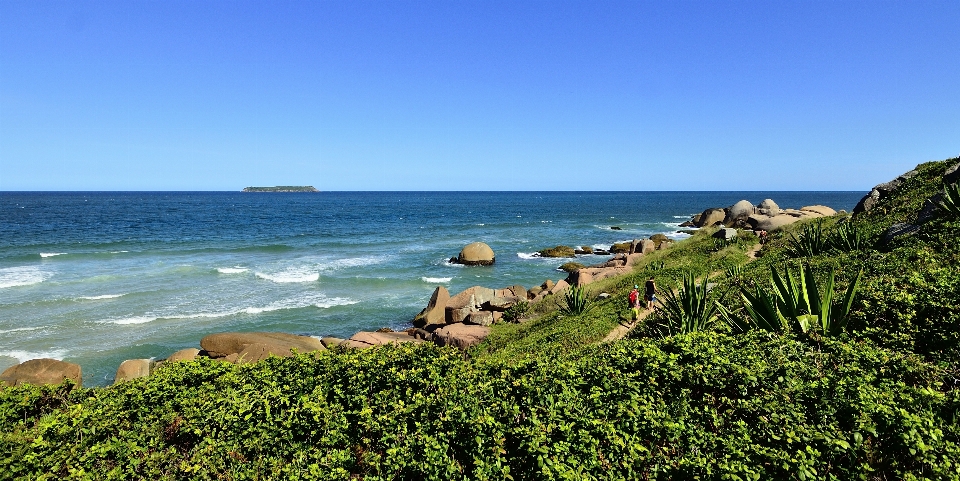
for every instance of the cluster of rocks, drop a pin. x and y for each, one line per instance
(766, 215)
(461, 321)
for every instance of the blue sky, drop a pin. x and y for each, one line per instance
(404, 95)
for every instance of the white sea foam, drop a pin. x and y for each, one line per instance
(353, 262)
(24, 356)
(528, 255)
(232, 270)
(118, 252)
(21, 329)
(677, 235)
(51, 254)
(133, 320)
(298, 274)
(97, 298)
(436, 280)
(21, 276)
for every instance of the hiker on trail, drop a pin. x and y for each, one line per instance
(763, 236)
(651, 293)
(635, 301)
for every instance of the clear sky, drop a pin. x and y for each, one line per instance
(475, 95)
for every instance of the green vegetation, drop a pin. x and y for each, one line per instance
(575, 302)
(687, 309)
(950, 203)
(871, 390)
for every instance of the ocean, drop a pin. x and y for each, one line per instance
(95, 278)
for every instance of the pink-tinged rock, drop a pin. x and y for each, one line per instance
(435, 312)
(647, 246)
(460, 335)
(42, 371)
(559, 287)
(480, 318)
(225, 343)
(369, 339)
(776, 223)
(634, 259)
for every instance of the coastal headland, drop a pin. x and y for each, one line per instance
(839, 334)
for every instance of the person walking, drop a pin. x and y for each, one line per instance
(651, 292)
(635, 302)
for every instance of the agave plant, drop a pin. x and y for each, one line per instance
(796, 304)
(811, 241)
(848, 237)
(950, 202)
(735, 274)
(575, 302)
(689, 308)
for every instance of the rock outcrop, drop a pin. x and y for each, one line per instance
(710, 217)
(254, 346)
(737, 213)
(188, 354)
(768, 208)
(460, 335)
(881, 191)
(476, 254)
(435, 312)
(42, 371)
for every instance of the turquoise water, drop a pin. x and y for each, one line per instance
(97, 278)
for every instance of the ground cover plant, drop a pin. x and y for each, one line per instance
(544, 398)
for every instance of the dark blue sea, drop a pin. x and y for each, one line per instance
(99, 277)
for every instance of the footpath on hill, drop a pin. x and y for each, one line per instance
(624, 327)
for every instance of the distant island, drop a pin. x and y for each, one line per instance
(282, 188)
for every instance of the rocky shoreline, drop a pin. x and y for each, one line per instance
(461, 320)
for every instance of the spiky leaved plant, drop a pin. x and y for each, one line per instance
(687, 309)
(809, 242)
(575, 302)
(847, 237)
(516, 312)
(796, 304)
(950, 202)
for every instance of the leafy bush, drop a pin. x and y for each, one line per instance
(517, 312)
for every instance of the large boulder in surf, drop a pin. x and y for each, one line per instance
(710, 217)
(224, 344)
(42, 371)
(134, 368)
(476, 254)
(434, 312)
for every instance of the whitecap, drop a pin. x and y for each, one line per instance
(97, 298)
(528, 255)
(481, 225)
(118, 252)
(21, 329)
(133, 320)
(436, 280)
(291, 275)
(353, 262)
(231, 270)
(24, 356)
(21, 276)
(51, 254)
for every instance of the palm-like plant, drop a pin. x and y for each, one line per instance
(796, 304)
(848, 237)
(575, 302)
(811, 241)
(689, 309)
(950, 202)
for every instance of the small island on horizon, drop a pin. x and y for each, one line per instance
(282, 188)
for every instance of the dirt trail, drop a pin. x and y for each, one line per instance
(624, 327)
